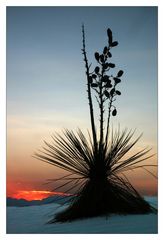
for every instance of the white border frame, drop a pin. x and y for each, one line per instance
(3, 5)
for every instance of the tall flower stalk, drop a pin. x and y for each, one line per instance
(104, 85)
(89, 91)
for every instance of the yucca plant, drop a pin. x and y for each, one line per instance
(97, 163)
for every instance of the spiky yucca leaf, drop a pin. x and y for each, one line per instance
(76, 154)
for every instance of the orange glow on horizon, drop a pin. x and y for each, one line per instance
(36, 195)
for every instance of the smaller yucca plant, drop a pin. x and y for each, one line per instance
(97, 166)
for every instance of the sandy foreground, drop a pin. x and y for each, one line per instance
(33, 219)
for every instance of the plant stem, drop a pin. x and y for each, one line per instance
(108, 121)
(101, 110)
(89, 92)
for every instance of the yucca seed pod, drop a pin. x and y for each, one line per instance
(94, 85)
(118, 92)
(94, 76)
(112, 91)
(102, 58)
(114, 112)
(114, 44)
(110, 37)
(105, 50)
(117, 80)
(120, 73)
(111, 65)
(97, 69)
(109, 54)
(97, 56)
(106, 93)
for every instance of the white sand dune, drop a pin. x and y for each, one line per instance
(33, 220)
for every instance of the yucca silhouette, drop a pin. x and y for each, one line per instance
(96, 165)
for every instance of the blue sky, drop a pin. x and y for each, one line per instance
(45, 71)
(46, 84)
(44, 61)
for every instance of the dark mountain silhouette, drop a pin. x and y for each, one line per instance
(13, 202)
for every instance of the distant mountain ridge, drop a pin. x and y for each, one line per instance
(11, 202)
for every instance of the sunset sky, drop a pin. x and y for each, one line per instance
(46, 84)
